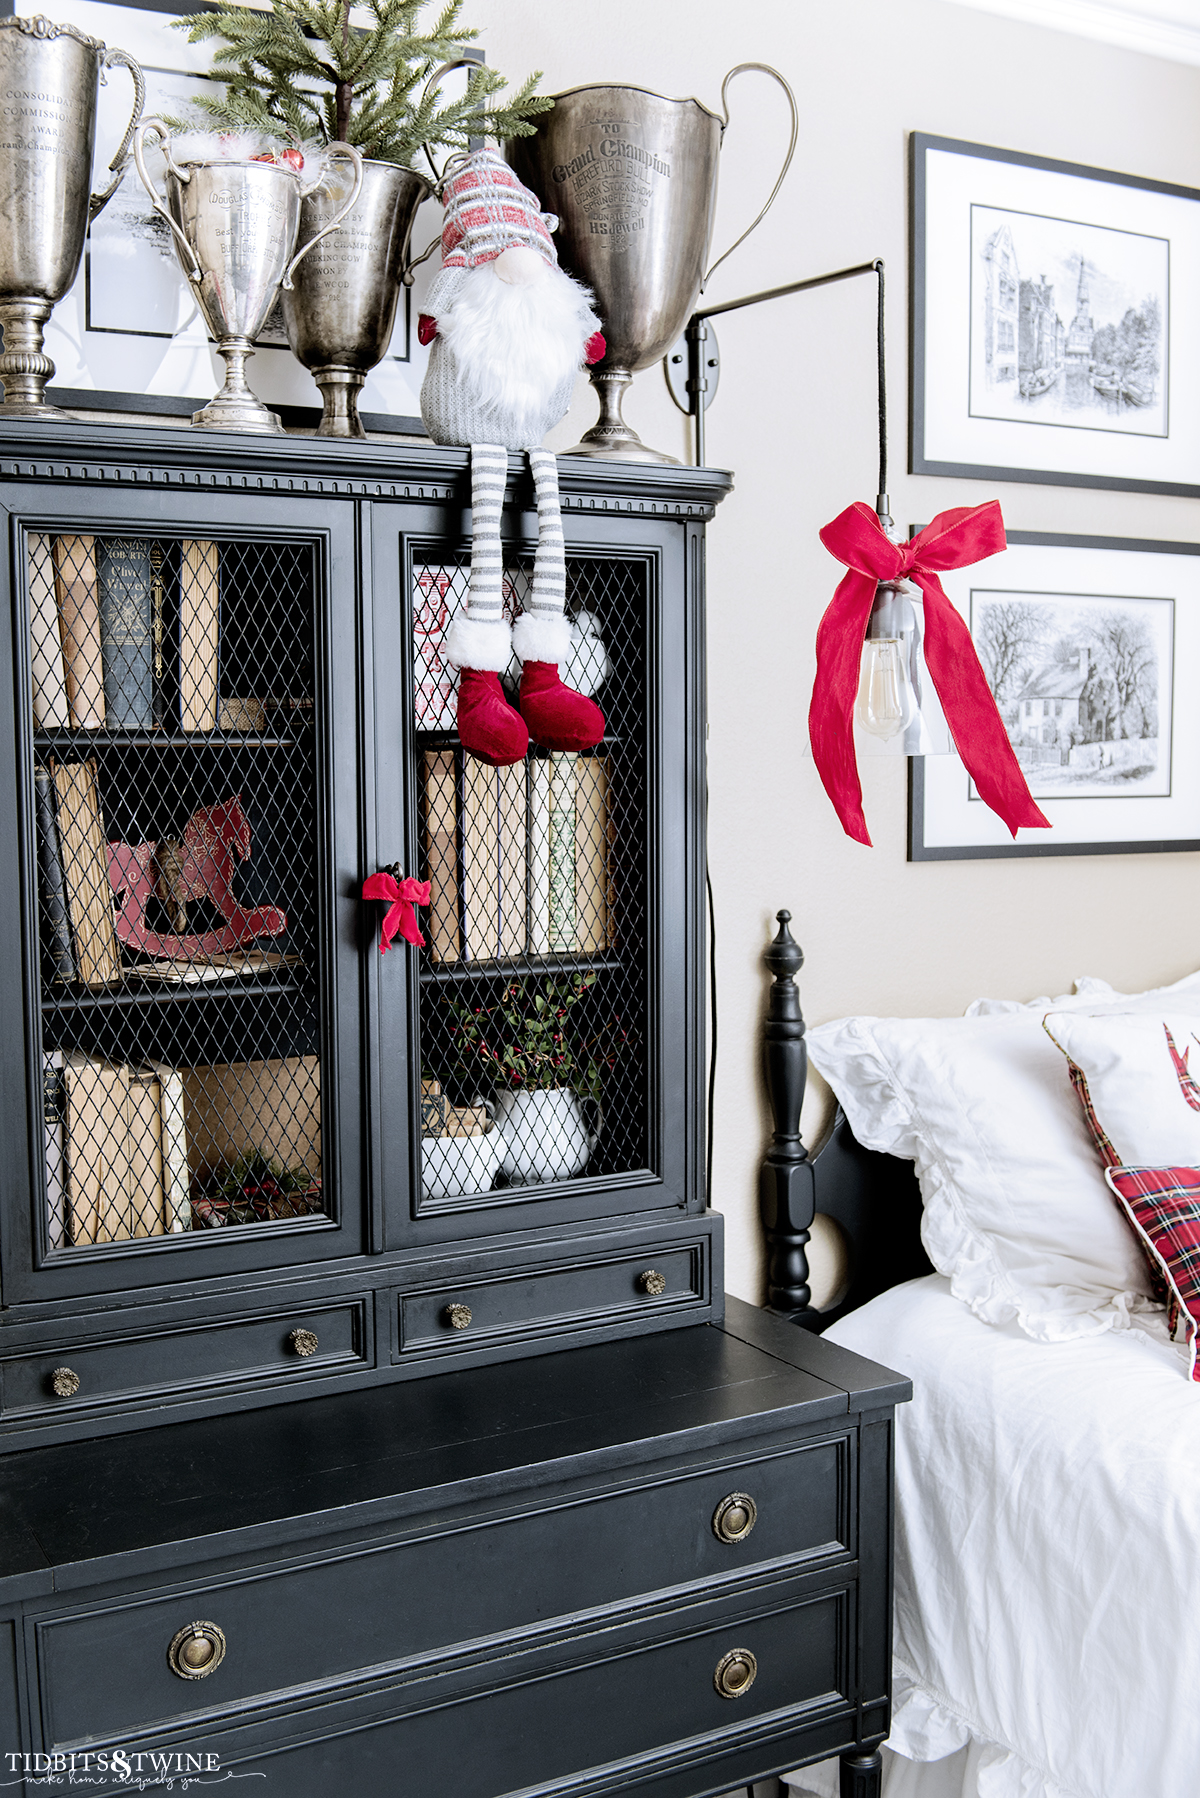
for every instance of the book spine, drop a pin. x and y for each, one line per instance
(481, 864)
(176, 1179)
(79, 622)
(54, 1112)
(591, 854)
(50, 710)
(58, 955)
(513, 859)
(146, 1155)
(539, 855)
(125, 582)
(158, 607)
(441, 854)
(84, 854)
(199, 636)
(97, 1150)
(562, 851)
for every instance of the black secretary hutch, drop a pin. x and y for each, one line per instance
(370, 1429)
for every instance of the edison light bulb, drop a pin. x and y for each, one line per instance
(886, 702)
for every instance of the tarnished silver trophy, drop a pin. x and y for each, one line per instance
(341, 309)
(235, 226)
(632, 177)
(50, 82)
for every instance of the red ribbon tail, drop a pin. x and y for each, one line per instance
(831, 713)
(971, 712)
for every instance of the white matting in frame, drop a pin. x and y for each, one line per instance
(1052, 308)
(129, 336)
(1089, 645)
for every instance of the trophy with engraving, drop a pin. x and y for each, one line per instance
(50, 80)
(632, 177)
(235, 224)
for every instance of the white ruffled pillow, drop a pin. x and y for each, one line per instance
(1091, 985)
(1139, 1075)
(1016, 1211)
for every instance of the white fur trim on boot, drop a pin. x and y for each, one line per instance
(541, 639)
(483, 645)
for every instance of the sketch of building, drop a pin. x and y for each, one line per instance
(1083, 329)
(1001, 303)
(1040, 343)
(1063, 703)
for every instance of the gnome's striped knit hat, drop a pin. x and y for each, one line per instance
(487, 211)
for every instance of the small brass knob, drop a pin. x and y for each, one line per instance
(196, 1650)
(303, 1342)
(652, 1282)
(64, 1382)
(735, 1517)
(457, 1316)
(735, 1673)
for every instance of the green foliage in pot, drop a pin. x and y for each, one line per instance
(530, 1039)
(301, 70)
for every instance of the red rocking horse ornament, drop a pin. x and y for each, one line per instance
(212, 840)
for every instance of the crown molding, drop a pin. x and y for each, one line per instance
(1170, 29)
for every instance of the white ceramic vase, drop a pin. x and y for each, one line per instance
(453, 1166)
(545, 1136)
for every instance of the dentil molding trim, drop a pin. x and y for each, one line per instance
(1168, 28)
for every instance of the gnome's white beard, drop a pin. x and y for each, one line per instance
(516, 344)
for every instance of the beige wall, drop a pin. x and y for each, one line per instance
(794, 420)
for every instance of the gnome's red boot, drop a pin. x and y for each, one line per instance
(557, 716)
(488, 727)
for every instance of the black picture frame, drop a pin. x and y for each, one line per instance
(939, 431)
(1185, 624)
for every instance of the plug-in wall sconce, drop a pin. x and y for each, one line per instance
(903, 668)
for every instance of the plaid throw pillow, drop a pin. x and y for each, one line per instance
(1163, 1205)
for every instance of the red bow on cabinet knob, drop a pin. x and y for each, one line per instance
(401, 896)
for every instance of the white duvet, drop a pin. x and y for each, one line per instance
(1047, 1558)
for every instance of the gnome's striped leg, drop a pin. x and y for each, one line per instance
(479, 641)
(557, 716)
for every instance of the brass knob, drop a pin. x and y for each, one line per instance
(64, 1382)
(303, 1342)
(735, 1673)
(457, 1316)
(735, 1517)
(196, 1650)
(652, 1282)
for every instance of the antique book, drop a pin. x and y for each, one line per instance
(125, 581)
(480, 861)
(199, 635)
(270, 1108)
(512, 858)
(176, 1177)
(441, 850)
(591, 855)
(561, 924)
(54, 924)
(79, 623)
(220, 965)
(45, 639)
(433, 1108)
(97, 1149)
(158, 599)
(84, 855)
(146, 1188)
(539, 854)
(54, 1111)
(465, 1120)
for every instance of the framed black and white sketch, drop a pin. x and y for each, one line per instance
(1091, 647)
(1051, 320)
(128, 336)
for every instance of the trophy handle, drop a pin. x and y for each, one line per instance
(334, 150)
(195, 273)
(447, 68)
(114, 59)
(763, 68)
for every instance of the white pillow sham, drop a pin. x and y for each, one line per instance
(1141, 1074)
(1016, 1212)
(1091, 984)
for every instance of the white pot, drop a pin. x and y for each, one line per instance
(454, 1165)
(544, 1134)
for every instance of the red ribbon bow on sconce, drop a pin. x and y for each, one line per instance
(400, 918)
(955, 539)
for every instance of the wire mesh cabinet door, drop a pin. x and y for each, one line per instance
(554, 1049)
(178, 853)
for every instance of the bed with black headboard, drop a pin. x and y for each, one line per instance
(1047, 1491)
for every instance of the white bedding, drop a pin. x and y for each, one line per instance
(1047, 1557)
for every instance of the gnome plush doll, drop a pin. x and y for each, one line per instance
(510, 329)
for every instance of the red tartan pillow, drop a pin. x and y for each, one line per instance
(1163, 1205)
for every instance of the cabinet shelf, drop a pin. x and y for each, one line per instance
(155, 995)
(159, 739)
(520, 968)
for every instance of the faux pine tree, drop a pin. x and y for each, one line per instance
(302, 70)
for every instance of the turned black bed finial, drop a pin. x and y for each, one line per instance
(786, 1185)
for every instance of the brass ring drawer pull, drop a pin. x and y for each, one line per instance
(652, 1282)
(457, 1316)
(196, 1650)
(735, 1673)
(303, 1342)
(64, 1382)
(735, 1517)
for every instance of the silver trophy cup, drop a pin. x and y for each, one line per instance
(341, 309)
(235, 226)
(632, 177)
(49, 84)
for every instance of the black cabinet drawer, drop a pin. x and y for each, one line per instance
(104, 1672)
(481, 1312)
(286, 1344)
